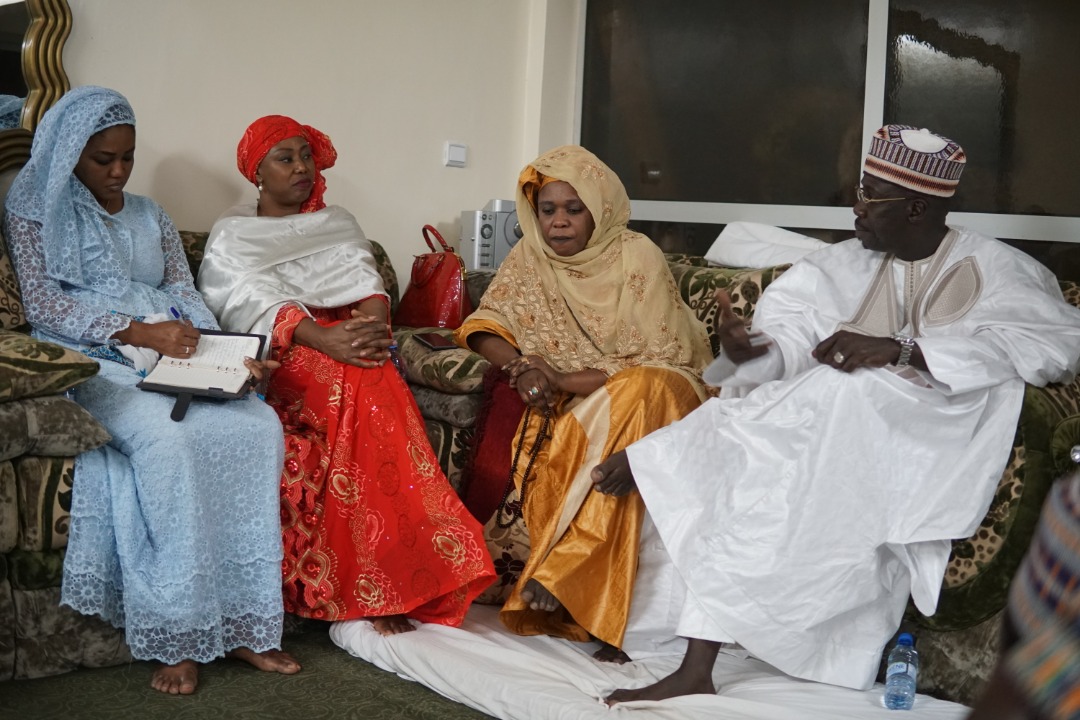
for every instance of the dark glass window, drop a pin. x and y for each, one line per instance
(740, 102)
(999, 77)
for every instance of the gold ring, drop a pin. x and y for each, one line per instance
(838, 358)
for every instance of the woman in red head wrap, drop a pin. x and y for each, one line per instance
(265, 133)
(371, 527)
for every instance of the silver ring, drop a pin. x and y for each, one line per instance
(838, 358)
(534, 391)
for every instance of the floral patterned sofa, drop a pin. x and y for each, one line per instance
(958, 645)
(41, 431)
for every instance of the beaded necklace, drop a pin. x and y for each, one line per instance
(514, 510)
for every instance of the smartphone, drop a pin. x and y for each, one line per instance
(435, 341)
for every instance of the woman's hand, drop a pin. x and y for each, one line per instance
(372, 336)
(523, 363)
(175, 338)
(336, 341)
(260, 369)
(534, 387)
(535, 380)
(579, 382)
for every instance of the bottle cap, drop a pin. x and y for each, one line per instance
(905, 639)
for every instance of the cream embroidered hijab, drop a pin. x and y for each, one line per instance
(611, 306)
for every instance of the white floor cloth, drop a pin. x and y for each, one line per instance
(486, 667)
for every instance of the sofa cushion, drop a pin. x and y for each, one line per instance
(52, 638)
(52, 426)
(698, 284)
(7, 624)
(11, 309)
(9, 507)
(457, 410)
(459, 371)
(1071, 291)
(981, 567)
(44, 497)
(451, 446)
(30, 367)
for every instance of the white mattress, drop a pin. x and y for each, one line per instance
(484, 666)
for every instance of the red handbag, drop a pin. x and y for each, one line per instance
(436, 295)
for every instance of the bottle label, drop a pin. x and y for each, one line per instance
(900, 668)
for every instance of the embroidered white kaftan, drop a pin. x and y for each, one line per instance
(803, 506)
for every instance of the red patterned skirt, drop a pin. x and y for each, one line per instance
(370, 524)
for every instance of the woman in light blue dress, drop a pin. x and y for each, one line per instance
(175, 532)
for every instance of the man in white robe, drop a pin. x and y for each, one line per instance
(863, 424)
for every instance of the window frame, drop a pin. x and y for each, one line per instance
(1011, 226)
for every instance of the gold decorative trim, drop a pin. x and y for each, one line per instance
(43, 57)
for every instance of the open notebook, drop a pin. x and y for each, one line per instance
(216, 370)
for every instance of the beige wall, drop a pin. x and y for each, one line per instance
(388, 80)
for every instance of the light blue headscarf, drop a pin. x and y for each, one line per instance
(47, 191)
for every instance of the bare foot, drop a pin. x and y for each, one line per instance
(392, 624)
(179, 679)
(614, 476)
(673, 685)
(694, 676)
(539, 597)
(610, 653)
(277, 661)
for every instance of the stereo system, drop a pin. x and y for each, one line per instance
(488, 235)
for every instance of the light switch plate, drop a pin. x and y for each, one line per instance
(454, 154)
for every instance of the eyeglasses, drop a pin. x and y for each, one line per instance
(861, 195)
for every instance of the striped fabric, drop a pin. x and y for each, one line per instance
(916, 159)
(1044, 605)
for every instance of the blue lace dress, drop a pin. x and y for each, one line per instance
(175, 531)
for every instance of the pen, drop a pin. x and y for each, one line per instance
(175, 313)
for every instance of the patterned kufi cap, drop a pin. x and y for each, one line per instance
(916, 159)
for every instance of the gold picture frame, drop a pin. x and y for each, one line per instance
(43, 71)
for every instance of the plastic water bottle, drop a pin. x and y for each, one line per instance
(399, 362)
(900, 674)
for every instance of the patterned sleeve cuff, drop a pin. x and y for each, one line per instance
(288, 317)
(1046, 668)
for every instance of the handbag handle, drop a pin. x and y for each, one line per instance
(431, 229)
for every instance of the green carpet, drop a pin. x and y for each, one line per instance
(333, 684)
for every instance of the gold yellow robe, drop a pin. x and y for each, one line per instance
(613, 307)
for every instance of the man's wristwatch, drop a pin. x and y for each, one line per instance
(907, 345)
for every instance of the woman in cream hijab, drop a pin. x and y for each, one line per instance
(585, 319)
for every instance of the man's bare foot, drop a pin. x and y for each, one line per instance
(392, 624)
(674, 685)
(694, 677)
(268, 661)
(179, 679)
(610, 653)
(539, 597)
(614, 476)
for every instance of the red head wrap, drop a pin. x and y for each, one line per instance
(266, 132)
